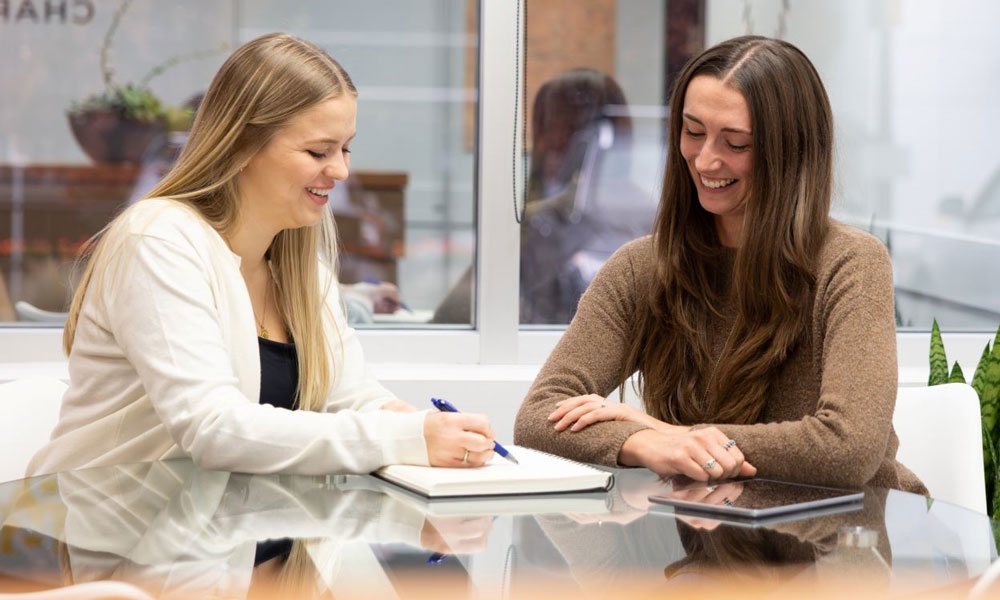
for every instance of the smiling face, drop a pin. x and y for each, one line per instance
(287, 184)
(716, 139)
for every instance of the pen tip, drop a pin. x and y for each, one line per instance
(512, 459)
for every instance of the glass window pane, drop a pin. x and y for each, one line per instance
(405, 218)
(915, 119)
(597, 79)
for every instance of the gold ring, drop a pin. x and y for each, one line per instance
(465, 459)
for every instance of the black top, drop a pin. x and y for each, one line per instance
(279, 373)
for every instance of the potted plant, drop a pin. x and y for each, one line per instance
(118, 124)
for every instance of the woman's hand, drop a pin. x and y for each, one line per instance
(727, 493)
(384, 296)
(458, 439)
(700, 454)
(397, 405)
(456, 535)
(580, 411)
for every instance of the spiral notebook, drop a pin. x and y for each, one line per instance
(538, 473)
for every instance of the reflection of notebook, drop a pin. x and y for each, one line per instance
(538, 473)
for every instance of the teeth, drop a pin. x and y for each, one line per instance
(715, 183)
(319, 191)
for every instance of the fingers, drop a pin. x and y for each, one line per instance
(478, 459)
(564, 406)
(458, 439)
(476, 423)
(729, 458)
(473, 442)
(723, 494)
(455, 535)
(574, 415)
(693, 469)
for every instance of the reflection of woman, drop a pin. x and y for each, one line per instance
(185, 532)
(760, 329)
(606, 555)
(208, 323)
(581, 205)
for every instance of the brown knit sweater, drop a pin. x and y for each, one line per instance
(828, 417)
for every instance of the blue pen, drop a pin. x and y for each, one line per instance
(374, 281)
(436, 558)
(445, 406)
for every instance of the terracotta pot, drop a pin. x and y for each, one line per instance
(108, 138)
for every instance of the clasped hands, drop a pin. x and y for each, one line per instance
(668, 450)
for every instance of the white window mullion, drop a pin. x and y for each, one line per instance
(499, 235)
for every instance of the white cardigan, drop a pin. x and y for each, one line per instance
(165, 364)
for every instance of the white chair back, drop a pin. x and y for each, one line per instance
(940, 439)
(29, 409)
(30, 312)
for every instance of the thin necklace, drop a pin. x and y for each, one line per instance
(260, 322)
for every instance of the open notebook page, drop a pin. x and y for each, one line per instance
(538, 473)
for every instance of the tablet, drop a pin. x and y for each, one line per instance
(754, 498)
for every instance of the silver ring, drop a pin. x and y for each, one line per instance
(727, 501)
(729, 445)
(465, 459)
(604, 403)
(709, 465)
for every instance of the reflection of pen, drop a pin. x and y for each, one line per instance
(374, 281)
(445, 406)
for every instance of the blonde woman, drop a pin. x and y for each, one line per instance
(207, 323)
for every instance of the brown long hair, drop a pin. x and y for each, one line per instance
(258, 90)
(773, 274)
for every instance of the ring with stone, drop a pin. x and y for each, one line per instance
(729, 445)
(709, 465)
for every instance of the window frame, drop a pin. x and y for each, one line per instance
(496, 337)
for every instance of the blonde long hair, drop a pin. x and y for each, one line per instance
(258, 90)
(773, 276)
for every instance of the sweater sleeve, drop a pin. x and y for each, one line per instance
(843, 442)
(163, 313)
(587, 360)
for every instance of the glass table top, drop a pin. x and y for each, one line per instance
(177, 531)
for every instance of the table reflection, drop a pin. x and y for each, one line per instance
(182, 532)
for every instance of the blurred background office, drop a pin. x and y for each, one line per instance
(94, 106)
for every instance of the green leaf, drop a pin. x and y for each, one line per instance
(957, 376)
(939, 360)
(996, 480)
(989, 468)
(979, 377)
(989, 401)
